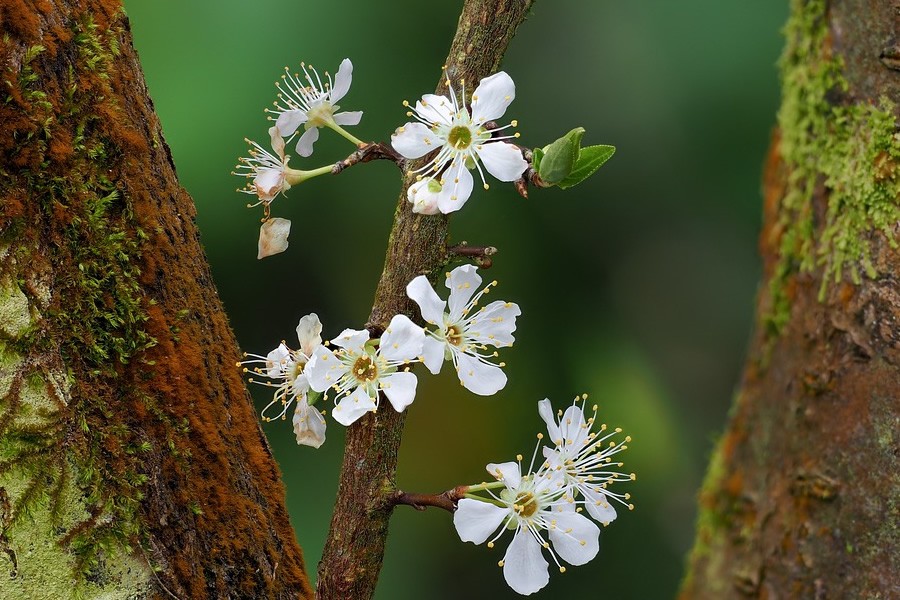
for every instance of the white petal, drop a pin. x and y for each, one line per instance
(402, 340)
(324, 369)
(277, 360)
(524, 567)
(352, 340)
(502, 160)
(309, 425)
(575, 538)
(492, 96)
(475, 521)
(309, 333)
(353, 406)
(433, 354)
(509, 473)
(436, 109)
(414, 140)
(400, 389)
(348, 118)
(424, 201)
(479, 378)
(289, 121)
(342, 82)
(494, 324)
(545, 409)
(598, 505)
(306, 141)
(301, 385)
(268, 183)
(273, 237)
(277, 141)
(430, 305)
(462, 282)
(457, 187)
(573, 428)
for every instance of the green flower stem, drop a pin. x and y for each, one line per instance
(483, 499)
(345, 134)
(486, 486)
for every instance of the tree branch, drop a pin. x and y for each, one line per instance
(371, 151)
(446, 500)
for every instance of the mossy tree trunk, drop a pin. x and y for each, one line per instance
(802, 497)
(131, 460)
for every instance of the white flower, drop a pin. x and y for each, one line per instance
(529, 505)
(461, 140)
(285, 370)
(273, 237)
(357, 371)
(424, 196)
(313, 104)
(581, 459)
(269, 174)
(461, 335)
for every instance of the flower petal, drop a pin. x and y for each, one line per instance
(492, 96)
(457, 185)
(353, 406)
(301, 386)
(494, 324)
(324, 369)
(433, 354)
(400, 389)
(352, 340)
(431, 306)
(273, 237)
(306, 141)
(268, 183)
(509, 473)
(348, 118)
(342, 82)
(598, 505)
(524, 567)
(402, 339)
(575, 537)
(277, 361)
(414, 140)
(277, 141)
(573, 428)
(463, 282)
(478, 377)
(289, 121)
(424, 201)
(502, 160)
(475, 520)
(545, 409)
(435, 109)
(309, 333)
(309, 425)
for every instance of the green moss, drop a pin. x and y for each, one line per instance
(852, 150)
(15, 318)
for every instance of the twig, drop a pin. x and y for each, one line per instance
(446, 500)
(481, 254)
(371, 151)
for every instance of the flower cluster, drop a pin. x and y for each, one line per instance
(547, 503)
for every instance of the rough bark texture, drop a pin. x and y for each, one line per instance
(130, 454)
(802, 498)
(354, 551)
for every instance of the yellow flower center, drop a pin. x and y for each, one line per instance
(364, 369)
(460, 137)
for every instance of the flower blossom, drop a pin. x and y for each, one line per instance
(285, 370)
(313, 104)
(581, 459)
(529, 505)
(358, 370)
(269, 174)
(463, 336)
(462, 140)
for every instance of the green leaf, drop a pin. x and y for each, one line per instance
(589, 160)
(536, 157)
(560, 157)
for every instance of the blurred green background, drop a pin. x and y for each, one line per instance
(636, 287)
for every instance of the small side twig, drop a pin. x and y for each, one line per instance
(480, 254)
(529, 176)
(446, 500)
(372, 151)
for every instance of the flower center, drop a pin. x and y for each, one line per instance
(525, 505)
(319, 115)
(295, 371)
(460, 137)
(454, 335)
(364, 369)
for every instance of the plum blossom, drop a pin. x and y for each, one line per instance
(285, 370)
(461, 335)
(269, 173)
(313, 104)
(530, 505)
(581, 459)
(358, 370)
(461, 137)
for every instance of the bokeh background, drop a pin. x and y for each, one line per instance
(636, 287)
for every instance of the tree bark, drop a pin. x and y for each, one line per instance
(802, 497)
(354, 550)
(132, 463)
